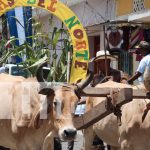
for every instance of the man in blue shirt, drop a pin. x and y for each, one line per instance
(145, 62)
(144, 49)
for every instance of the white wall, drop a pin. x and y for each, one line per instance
(95, 12)
(72, 2)
(90, 14)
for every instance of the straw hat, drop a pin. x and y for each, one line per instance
(101, 55)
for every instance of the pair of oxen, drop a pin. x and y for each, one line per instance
(33, 113)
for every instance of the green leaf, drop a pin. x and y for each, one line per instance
(39, 62)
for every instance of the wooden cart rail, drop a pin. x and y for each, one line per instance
(125, 95)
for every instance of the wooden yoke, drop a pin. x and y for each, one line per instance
(119, 93)
(100, 111)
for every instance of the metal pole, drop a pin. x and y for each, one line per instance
(68, 66)
(106, 69)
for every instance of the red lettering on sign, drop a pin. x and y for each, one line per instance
(10, 2)
(3, 5)
(81, 65)
(51, 7)
(78, 33)
(41, 3)
(80, 45)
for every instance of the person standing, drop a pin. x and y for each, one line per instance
(104, 72)
(144, 65)
(104, 69)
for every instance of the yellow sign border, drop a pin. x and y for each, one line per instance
(78, 35)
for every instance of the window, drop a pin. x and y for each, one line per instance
(19, 71)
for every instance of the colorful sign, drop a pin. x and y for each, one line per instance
(75, 28)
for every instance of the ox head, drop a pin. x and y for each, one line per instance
(63, 100)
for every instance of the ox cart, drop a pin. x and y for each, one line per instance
(116, 95)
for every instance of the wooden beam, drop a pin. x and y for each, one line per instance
(89, 118)
(125, 94)
(100, 111)
(104, 91)
(139, 93)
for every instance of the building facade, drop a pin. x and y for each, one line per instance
(136, 12)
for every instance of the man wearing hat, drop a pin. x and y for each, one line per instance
(104, 72)
(144, 66)
(103, 68)
(144, 49)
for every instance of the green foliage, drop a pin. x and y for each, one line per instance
(43, 49)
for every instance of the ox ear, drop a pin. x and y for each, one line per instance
(36, 121)
(46, 91)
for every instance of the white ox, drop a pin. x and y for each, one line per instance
(133, 134)
(21, 127)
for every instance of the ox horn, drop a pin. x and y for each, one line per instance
(39, 73)
(80, 86)
(45, 89)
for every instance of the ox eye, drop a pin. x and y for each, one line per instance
(55, 103)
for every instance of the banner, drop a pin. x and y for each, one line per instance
(27, 11)
(75, 28)
(17, 21)
(12, 24)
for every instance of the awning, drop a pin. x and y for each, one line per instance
(140, 17)
(72, 2)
